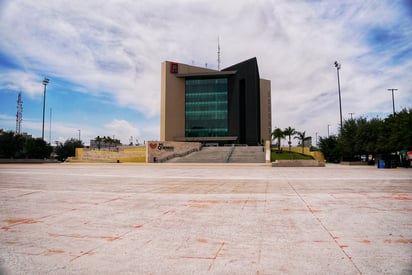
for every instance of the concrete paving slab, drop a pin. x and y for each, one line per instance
(204, 219)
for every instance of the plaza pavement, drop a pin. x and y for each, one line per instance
(204, 219)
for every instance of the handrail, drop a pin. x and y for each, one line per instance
(229, 154)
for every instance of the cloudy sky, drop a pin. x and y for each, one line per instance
(103, 59)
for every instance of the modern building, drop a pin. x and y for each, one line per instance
(228, 106)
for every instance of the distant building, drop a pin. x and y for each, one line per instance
(228, 106)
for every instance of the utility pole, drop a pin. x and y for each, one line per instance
(337, 65)
(393, 100)
(45, 82)
(50, 125)
(351, 114)
(19, 113)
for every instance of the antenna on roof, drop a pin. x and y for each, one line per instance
(218, 53)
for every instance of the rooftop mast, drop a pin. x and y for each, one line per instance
(218, 54)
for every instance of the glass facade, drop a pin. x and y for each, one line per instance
(206, 107)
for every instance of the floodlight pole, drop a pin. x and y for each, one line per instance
(337, 65)
(45, 82)
(393, 100)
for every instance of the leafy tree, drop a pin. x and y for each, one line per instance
(37, 148)
(68, 149)
(329, 146)
(366, 137)
(108, 140)
(396, 132)
(278, 134)
(347, 139)
(289, 132)
(12, 145)
(99, 142)
(301, 136)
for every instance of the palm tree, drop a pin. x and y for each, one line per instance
(99, 141)
(301, 136)
(278, 134)
(289, 132)
(109, 140)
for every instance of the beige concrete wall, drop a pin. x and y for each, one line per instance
(169, 149)
(172, 112)
(121, 154)
(265, 109)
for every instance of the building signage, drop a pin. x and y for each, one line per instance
(161, 146)
(174, 68)
(166, 148)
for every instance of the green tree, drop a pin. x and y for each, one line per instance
(366, 136)
(99, 142)
(301, 136)
(396, 132)
(329, 146)
(289, 132)
(37, 148)
(68, 149)
(347, 139)
(11, 145)
(278, 134)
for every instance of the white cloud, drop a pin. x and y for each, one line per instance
(122, 130)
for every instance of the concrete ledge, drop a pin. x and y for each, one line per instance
(298, 163)
(29, 161)
(354, 163)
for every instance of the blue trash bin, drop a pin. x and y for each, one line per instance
(381, 163)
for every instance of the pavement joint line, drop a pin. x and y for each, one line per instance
(261, 229)
(205, 178)
(341, 247)
(216, 255)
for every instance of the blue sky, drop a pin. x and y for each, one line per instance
(103, 59)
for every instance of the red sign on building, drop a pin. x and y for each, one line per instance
(174, 69)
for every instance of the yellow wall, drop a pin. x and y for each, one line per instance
(123, 154)
(306, 151)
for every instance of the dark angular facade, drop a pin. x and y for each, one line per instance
(244, 102)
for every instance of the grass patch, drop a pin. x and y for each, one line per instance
(286, 155)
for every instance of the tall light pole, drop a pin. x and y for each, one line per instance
(337, 65)
(393, 100)
(50, 125)
(45, 82)
(79, 134)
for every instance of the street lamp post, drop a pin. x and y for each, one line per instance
(79, 134)
(393, 100)
(45, 82)
(337, 65)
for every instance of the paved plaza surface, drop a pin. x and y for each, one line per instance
(204, 219)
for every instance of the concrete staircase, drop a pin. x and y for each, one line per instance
(237, 154)
(248, 154)
(206, 155)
